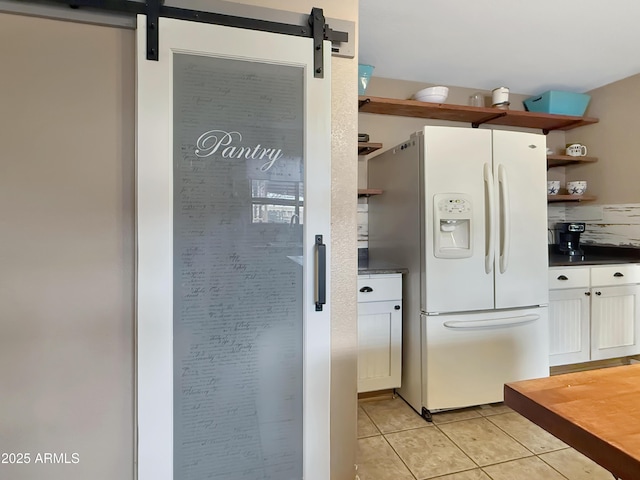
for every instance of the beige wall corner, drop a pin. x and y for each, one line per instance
(344, 265)
(614, 177)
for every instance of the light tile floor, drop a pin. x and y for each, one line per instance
(490, 442)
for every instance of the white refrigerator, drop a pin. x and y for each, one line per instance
(465, 210)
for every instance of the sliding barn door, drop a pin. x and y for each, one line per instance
(233, 191)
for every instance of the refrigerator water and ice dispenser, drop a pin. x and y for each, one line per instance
(452, 225)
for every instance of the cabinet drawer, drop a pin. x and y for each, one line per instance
(377, 288)
(570, 277)
(615, 275)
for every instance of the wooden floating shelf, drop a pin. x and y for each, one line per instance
(563, 160)
(570, 198)
(474, 115)
(367, 192)
(365, 148)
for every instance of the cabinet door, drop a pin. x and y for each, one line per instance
(615, 322)
(379, 345)
(569, 326)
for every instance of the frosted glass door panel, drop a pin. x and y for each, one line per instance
(238, 314)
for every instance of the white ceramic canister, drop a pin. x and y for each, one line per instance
(499, 95)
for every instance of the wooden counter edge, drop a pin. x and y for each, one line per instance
(620, 464)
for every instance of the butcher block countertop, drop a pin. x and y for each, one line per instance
(597, 412)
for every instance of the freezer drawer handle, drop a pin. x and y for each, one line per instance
(366, 289)
(618, 274)
(562, 277)
(499, 322)
(321, 273)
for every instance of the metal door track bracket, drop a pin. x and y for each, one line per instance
(316, 22)
(316, 29)
(153, 35)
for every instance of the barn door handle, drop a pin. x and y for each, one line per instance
(321, 273)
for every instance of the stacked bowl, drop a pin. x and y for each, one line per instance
(577, 187)
(432, 94)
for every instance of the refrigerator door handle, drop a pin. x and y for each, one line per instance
(505, 218)
(489, 222)
(499, 322)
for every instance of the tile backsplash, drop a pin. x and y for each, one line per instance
(363, 225)
(613, 225)
(616, 225)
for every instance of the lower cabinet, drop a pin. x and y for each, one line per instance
(379, 332)
(615, 326)
(593, 313)
(569, 325)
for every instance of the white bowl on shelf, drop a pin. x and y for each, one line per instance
(432, 94)
(577, 187)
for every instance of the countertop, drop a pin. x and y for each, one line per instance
(595, 255)
(370, 267)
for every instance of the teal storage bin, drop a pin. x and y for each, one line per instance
(364, 74)
(559, 103)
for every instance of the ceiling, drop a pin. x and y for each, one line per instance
(530, 47)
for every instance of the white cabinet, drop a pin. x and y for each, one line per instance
(615, 319)
(615, 322)
(569, 320)
(593, 313)
(379, 332)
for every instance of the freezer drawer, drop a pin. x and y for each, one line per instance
(468, 358)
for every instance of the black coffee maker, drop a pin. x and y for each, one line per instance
(569, 238)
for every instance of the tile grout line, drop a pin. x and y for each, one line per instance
(490, 464)
(458, 446)
(511, 436)
(551, 466)
(427, 425)
(535, 454)
(437, 426)
(388, 443)
(372, 422)
(399, 457)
